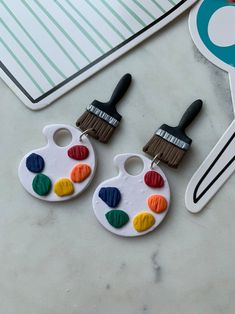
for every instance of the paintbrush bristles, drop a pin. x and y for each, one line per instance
(167, 153)
(103, 130)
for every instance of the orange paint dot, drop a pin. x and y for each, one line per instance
(80, 172)
(157, 203)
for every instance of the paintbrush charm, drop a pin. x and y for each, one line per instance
(170, 144)
(103, 118)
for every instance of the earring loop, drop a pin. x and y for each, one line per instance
(86, 132)
(155, 161)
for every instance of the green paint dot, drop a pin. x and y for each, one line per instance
(41, 184)
(117, 218)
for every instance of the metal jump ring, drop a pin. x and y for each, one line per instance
(86, 132)
(155, 161)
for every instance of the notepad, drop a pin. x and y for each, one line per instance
(48, 47)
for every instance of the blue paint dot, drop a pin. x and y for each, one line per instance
(111, 196)
(35, 163)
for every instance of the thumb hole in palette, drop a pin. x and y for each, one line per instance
(62, 137)
(134, 166)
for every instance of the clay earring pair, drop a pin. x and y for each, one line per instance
(55, 173)
(125, 205)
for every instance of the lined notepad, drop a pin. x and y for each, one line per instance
(49, 46)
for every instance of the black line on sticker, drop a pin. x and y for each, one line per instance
(197, 198)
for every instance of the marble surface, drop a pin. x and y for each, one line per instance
(57, 259)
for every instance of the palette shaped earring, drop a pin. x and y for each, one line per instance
(132, 205)
(55, 173)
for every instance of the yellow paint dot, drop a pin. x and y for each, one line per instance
(143, 221)
(63, 187)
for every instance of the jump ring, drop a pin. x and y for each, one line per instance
(155, 161)
(86, 132)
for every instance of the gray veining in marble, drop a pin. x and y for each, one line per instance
(57, 259)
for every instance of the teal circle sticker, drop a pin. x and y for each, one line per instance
(206, 11)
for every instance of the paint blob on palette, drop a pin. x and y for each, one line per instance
(132, 205)
(55, 173)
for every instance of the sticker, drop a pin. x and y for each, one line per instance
(212, 25)
(48, 47)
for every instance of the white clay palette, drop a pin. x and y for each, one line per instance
(132, 205)
(55, 173)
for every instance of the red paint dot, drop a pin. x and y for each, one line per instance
(78, 152)
(153, 179)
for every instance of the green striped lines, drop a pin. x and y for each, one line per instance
(144, 9)
(31, 57)
(159, 6)
(79, 26)
(121, 20)
(21, 65)
(81, 22)
(106, 20)
(69, 38)
(172, 2)
(50, 34)
(132, 13)
(53, 65)
(90, 24)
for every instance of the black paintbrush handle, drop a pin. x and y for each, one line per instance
(120, 90)
(190, 114)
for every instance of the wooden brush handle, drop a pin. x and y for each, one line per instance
(120, 90)
(190, 114)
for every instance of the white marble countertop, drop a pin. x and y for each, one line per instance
(57, 259)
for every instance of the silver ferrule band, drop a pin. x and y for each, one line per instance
(172, 139)
(103, 115)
